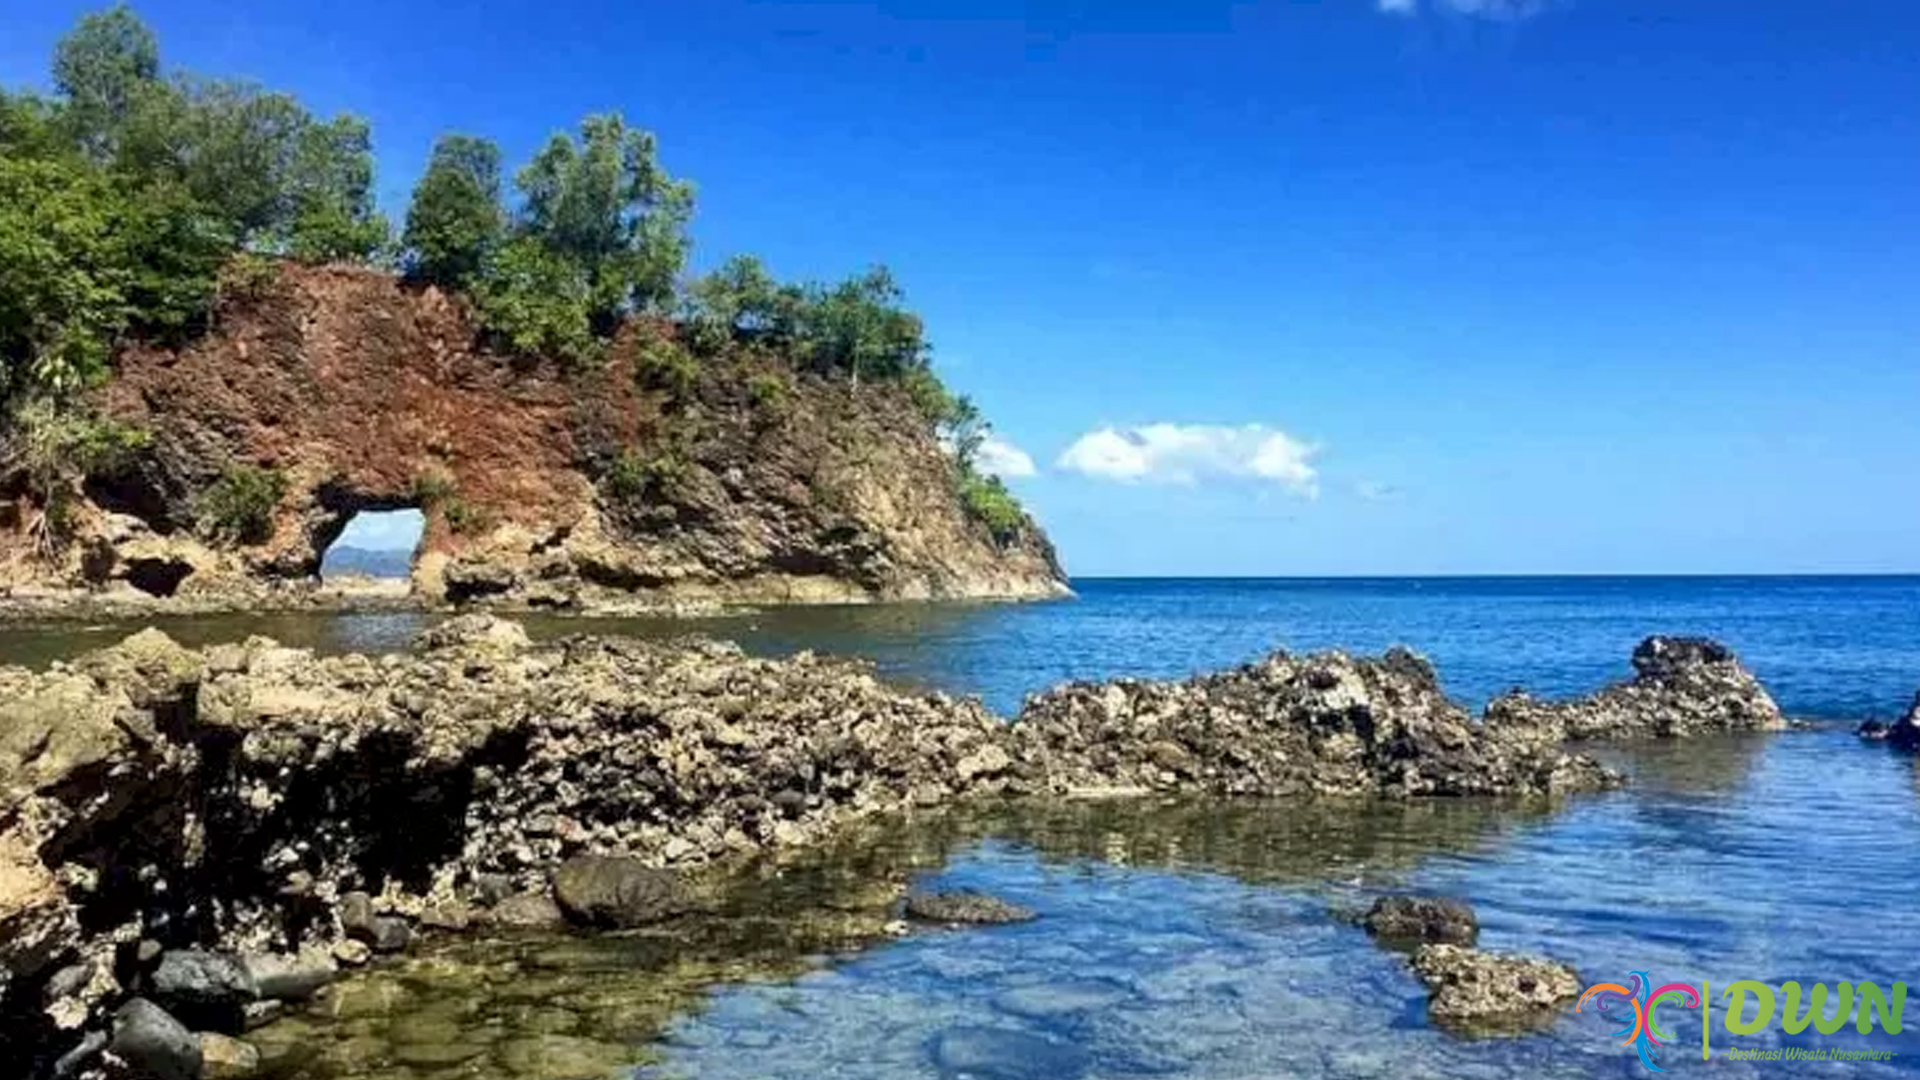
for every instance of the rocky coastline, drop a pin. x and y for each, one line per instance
(207, 832)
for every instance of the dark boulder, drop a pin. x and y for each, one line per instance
(1904, 733)
(208, 990)
(358, 920)
(153, 1044)
(964, 908)
(599, 890)
(1427, 920)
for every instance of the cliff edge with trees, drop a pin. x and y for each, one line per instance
(215, 351)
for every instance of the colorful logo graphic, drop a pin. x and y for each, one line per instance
(1643, 1032)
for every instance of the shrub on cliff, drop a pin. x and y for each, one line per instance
(664, 364)
(633, 477)
(989, 502)
(239, 507)
(535, 303)
(53, 452)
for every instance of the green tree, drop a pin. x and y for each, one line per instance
(175, 246)
(455, 221)
(604, 205)
(63, 275)
(107, 63)
(331, 194)
(860, 328)
(235, 147)
(738, 298)
(31, 127)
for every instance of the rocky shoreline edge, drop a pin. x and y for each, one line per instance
(188, 836)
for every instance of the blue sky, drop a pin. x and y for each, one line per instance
(1344, 287)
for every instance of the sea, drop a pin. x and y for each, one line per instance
(1210, 939)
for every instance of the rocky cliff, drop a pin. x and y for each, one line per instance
(642, 477)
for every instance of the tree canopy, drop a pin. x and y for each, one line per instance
(456, 221)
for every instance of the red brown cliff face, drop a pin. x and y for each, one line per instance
(747, 482)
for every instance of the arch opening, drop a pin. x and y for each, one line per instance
(380, 545)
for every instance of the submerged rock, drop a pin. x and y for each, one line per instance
(964, 908)
(224, 1058)
(985, 1053)
(153, 1043)
(1423, 919)
(601, 891)
(1488, 990)
(527, 911)
(290, 977)
(1681, 687)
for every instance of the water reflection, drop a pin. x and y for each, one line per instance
(1714, 767)
(554, 1005)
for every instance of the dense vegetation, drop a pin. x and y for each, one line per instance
(134, 197)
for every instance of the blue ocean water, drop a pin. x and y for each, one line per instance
(1828, 647)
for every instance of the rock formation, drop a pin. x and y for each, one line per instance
(740, 479)
(1902, 734)
(963, 909)
(261, 799)
(1681, 687)
(212, 832)
(1488, 991)
(1422, 919)
(1326, 724)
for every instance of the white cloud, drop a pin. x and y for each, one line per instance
(1003, 459)
(1191, 453)
(1399, 7)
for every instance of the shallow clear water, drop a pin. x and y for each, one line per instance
(1206, 940)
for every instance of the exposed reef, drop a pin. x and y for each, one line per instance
(1327, 724)
(216, 831)
(1680, 687)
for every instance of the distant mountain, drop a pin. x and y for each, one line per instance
(342, 559)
